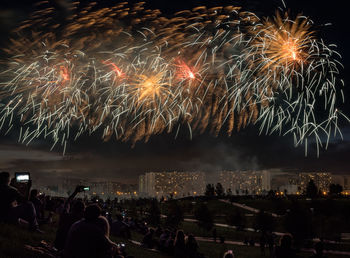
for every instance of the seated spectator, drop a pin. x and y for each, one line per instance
(147, 240)
(15, 207)
(229, 254)
(108, 216)
(285, 249)
(163, 239)
(179, 245)
(40, 207)
(119, 228)
(191, 247)
(270, 238)
(318, 251)
(158, 231)
(262, 242)
(169, 245)
(89, 236)
(33, 197)
(67, 219)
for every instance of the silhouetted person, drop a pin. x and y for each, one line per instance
(262, 243)
(15, 207)
(191, 247)
(70, 213)
(120, 228)
(169, 245)
(147, 240)
(285, 249)
(229, 254)
(318, 251)
(163, 239)
(252, 242)
(89, 236)
(179, 245)
(66, 221)
(246, 240)
(38, 204)
(270, 238)
(214, 234)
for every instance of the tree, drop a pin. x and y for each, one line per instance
(175, 215)
(204, 217)
(209, 190)
(219, 190)
(335, 189)
(311, 189)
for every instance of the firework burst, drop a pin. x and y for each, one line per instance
(132, 73)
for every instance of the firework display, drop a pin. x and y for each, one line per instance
(128, 72)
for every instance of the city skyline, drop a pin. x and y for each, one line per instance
(179, 184)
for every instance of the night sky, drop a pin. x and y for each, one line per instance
(89, 157)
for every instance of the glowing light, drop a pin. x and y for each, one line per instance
(64, 73)
(150, 86)
(291, 50)
(116, 69)
(269, 73)
(184, 72)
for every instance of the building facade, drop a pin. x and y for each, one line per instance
(321, 179)
(176, 184)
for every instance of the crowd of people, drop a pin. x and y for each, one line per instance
(175, 244)
(84, 227)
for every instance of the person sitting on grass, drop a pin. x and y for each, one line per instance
(148, 241)
(229, 254)
(89, 237)
(318, 251)
(39, 206)
(162, 240)
(179, 245)
(285, 249)
(191, 247)
(75, 214)
(120, 228)
(15, 207)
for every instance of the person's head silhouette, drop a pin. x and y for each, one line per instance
(78, 207)
(4, 178)
(92, 212)
(319, 248)
(286, 242)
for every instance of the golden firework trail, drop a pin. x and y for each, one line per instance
(129, 72)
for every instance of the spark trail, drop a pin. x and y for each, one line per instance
(130, 73)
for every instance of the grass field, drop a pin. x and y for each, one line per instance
(13, 239)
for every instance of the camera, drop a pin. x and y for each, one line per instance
(84, 188)
(22, 177)
(121, 246)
